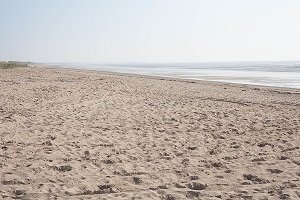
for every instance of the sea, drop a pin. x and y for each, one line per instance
(278, 74)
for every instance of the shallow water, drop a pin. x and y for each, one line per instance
(280, 74)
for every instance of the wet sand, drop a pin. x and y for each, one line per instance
(74, 134)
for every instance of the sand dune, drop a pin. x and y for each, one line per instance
(71, 134)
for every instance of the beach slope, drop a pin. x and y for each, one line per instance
(74, 134)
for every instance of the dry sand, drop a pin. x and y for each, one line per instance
(71, 134)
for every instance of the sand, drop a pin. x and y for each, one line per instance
(74, 134)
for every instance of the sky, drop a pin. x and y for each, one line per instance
(149, 30)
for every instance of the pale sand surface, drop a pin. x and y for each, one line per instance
(70, 134)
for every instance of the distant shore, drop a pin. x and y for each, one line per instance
(159, 77)
(71, 133)
(273, 74)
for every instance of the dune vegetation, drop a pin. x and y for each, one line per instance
(12, 64)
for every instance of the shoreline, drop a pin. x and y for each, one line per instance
(170, 78)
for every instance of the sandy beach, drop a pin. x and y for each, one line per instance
(75, 134)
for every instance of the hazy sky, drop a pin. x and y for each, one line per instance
(149, 30)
